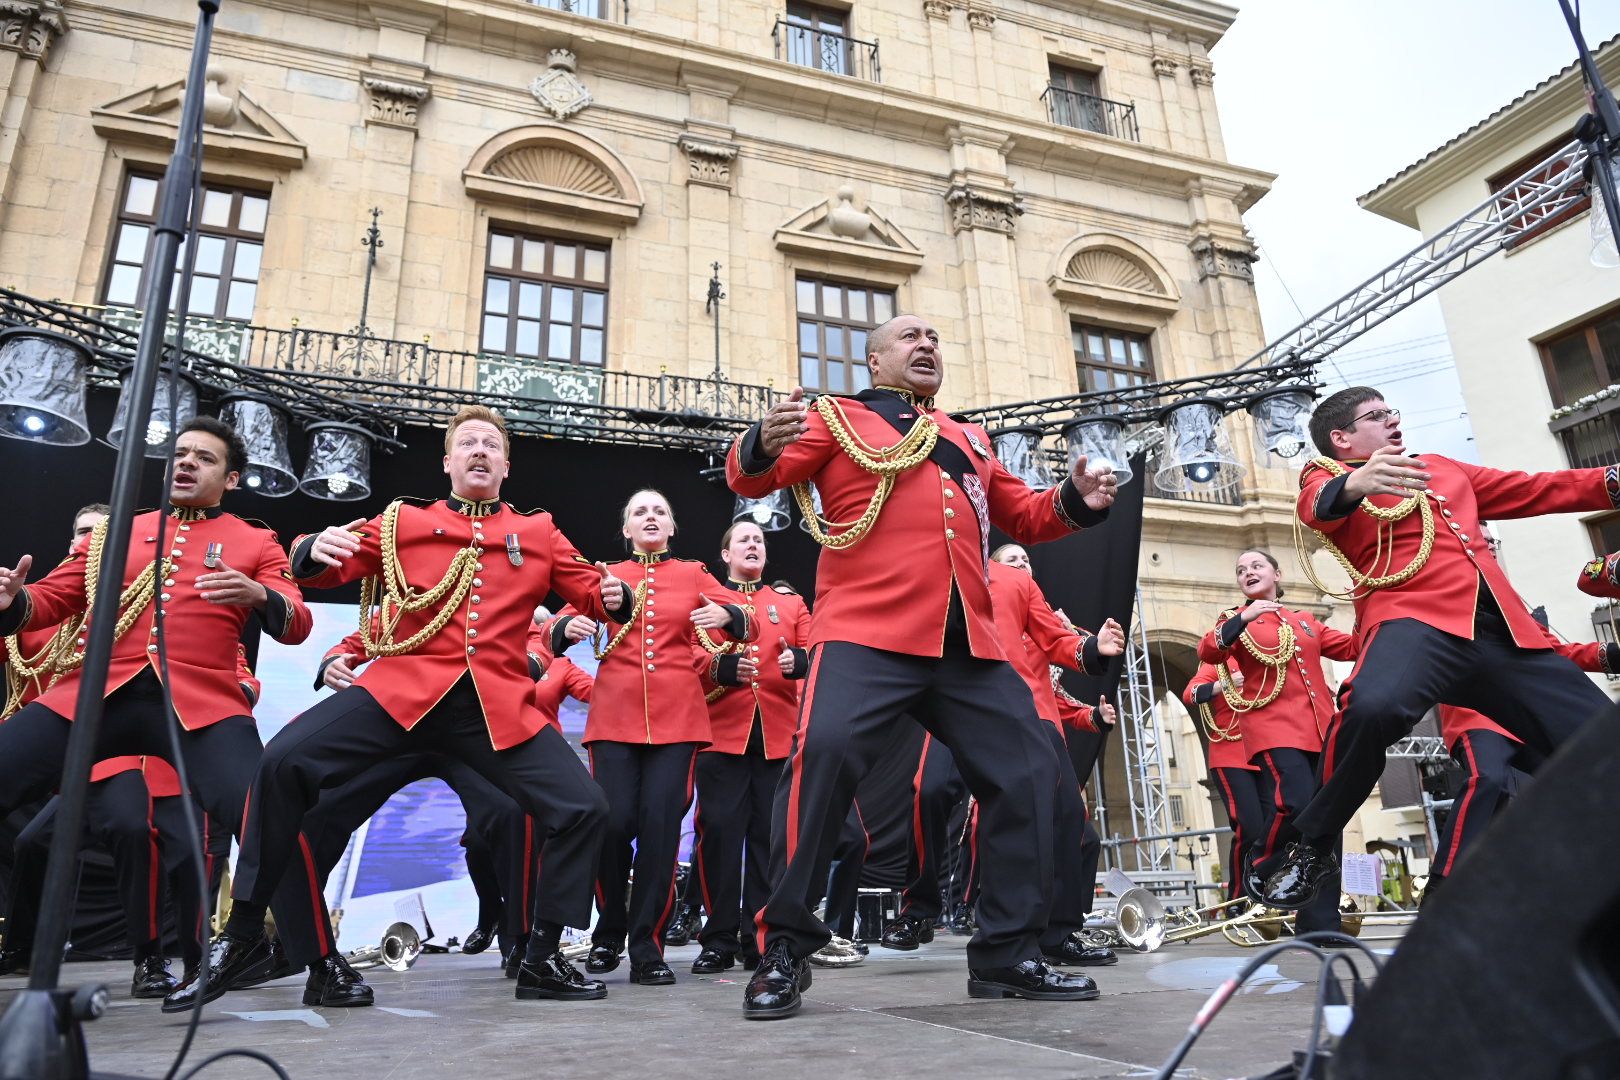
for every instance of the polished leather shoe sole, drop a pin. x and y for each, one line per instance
(774, 1012)
(158, 990)
(1064, 961)
(543, 993)
(596, 968)
(985, 988)
(318, 999)
(659, 976)
(702, 967)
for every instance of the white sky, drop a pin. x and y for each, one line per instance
(1335, 96)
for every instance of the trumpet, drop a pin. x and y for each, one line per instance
(1141, 922)
(397, 951)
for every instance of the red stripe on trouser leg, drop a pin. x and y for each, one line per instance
(1276, 801)
(317, 906)
(154, 867)
(1229, 797)
(795, 781)
(918, 843)
(700, 860)
(1470, 790)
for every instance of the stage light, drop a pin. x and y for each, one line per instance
(1102, 440)
(770, 513)
(339, 465)
(160, 426)
(42, 386)
(1019, 451)
(263, 423)
(1196, 451)
(1280, 419)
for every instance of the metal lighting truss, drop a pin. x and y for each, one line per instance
(1143, 745)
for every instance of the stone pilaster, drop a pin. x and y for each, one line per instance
(984, 210)
(29, 29)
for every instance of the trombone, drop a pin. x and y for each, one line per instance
(1141, 922)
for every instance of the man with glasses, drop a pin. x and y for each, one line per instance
(1437, 618)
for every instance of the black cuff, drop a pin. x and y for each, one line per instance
(801, 661)
(1328, 498)
(535, 670)
(739, 622)
(304, 566)
(15, 617)
(750, 458)
(247, 692)
(1091, 661)
(1610, 657)
(1203, 693)
(627, 608)
(725, 670)
(277, 613)
(1230, 631)
(1073, 509)
(560, 643)
(320, 672)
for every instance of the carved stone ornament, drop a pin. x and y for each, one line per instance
(1229, 260)
(1202, 74)
(708, 161)
(938, 9)
(31, 27)
(1164, 66)
(980, 19)
(559, 90)
(976, 208)
(392, 102)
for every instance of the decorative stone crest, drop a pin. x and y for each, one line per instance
(392, 102)
(846, 221)
(977, 208)
(559, 90)
(1164, 66)
(938, 9)
(1223, 259)
(31, 27)
(708, 161)
(1202, 74)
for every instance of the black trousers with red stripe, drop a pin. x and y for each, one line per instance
(151, 857)
(344, 735)
(1405, 669)
(937, 788)
(1075, 853)
(1493, 766)
(983, 712)
(731, 857)
(304, 926)
(1287, 783)
(1239, 790)
(649, 790)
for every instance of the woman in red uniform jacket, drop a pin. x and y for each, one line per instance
(1284, 707)
(647, 723)
(1235, 778)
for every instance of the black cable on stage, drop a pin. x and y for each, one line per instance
(1223, 993)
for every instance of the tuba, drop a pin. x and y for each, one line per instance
(1138, 922)
(397, 951)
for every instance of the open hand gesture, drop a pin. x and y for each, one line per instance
(710, 615)
(12, 580)
(1388, 472)
(784, 424)
(231, 587)
(1096, 484)
(336, 543)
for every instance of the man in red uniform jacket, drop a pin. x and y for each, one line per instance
(212, 570)
(903, 624)
(1436, 617)
(452, 676)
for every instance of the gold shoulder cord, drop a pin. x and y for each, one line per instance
(1215, 731)
(886, 463)
(1378, 577)
(398, 598)
(1276, 662)
(43, 668)
(131, 602)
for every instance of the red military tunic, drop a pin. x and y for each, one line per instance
(1445, 592)
(774, 615)
(1300, 715)
(648, 689)
(487, 632)
(202, 637)
(1225, 752)
(936, 525)
(559, 677)
(161, 779)
(1072, 713)
(1033, 636)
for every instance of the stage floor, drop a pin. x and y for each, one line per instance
(898, 1014)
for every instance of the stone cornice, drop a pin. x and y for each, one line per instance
(31, 27)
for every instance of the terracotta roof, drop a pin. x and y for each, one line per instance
(1454, 140)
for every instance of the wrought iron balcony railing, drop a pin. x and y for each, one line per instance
(824, 50)
(1591, 437)
(1087, 112)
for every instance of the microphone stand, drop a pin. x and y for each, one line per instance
(41, 1037)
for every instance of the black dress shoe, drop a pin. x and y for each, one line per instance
(333, 984)
(15, 960)
(1073, 953)
(602, 959)
(554, 978)
(712, 961)
(512, 962)
(656, 973)
(478, 941)
(275, 965)
(228, 959)
(774, 991)
(152, 979)
(1032, 980)
(748, 958)
(1300, 877)
(682, 927)
(906, 933)
(1253, 883)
